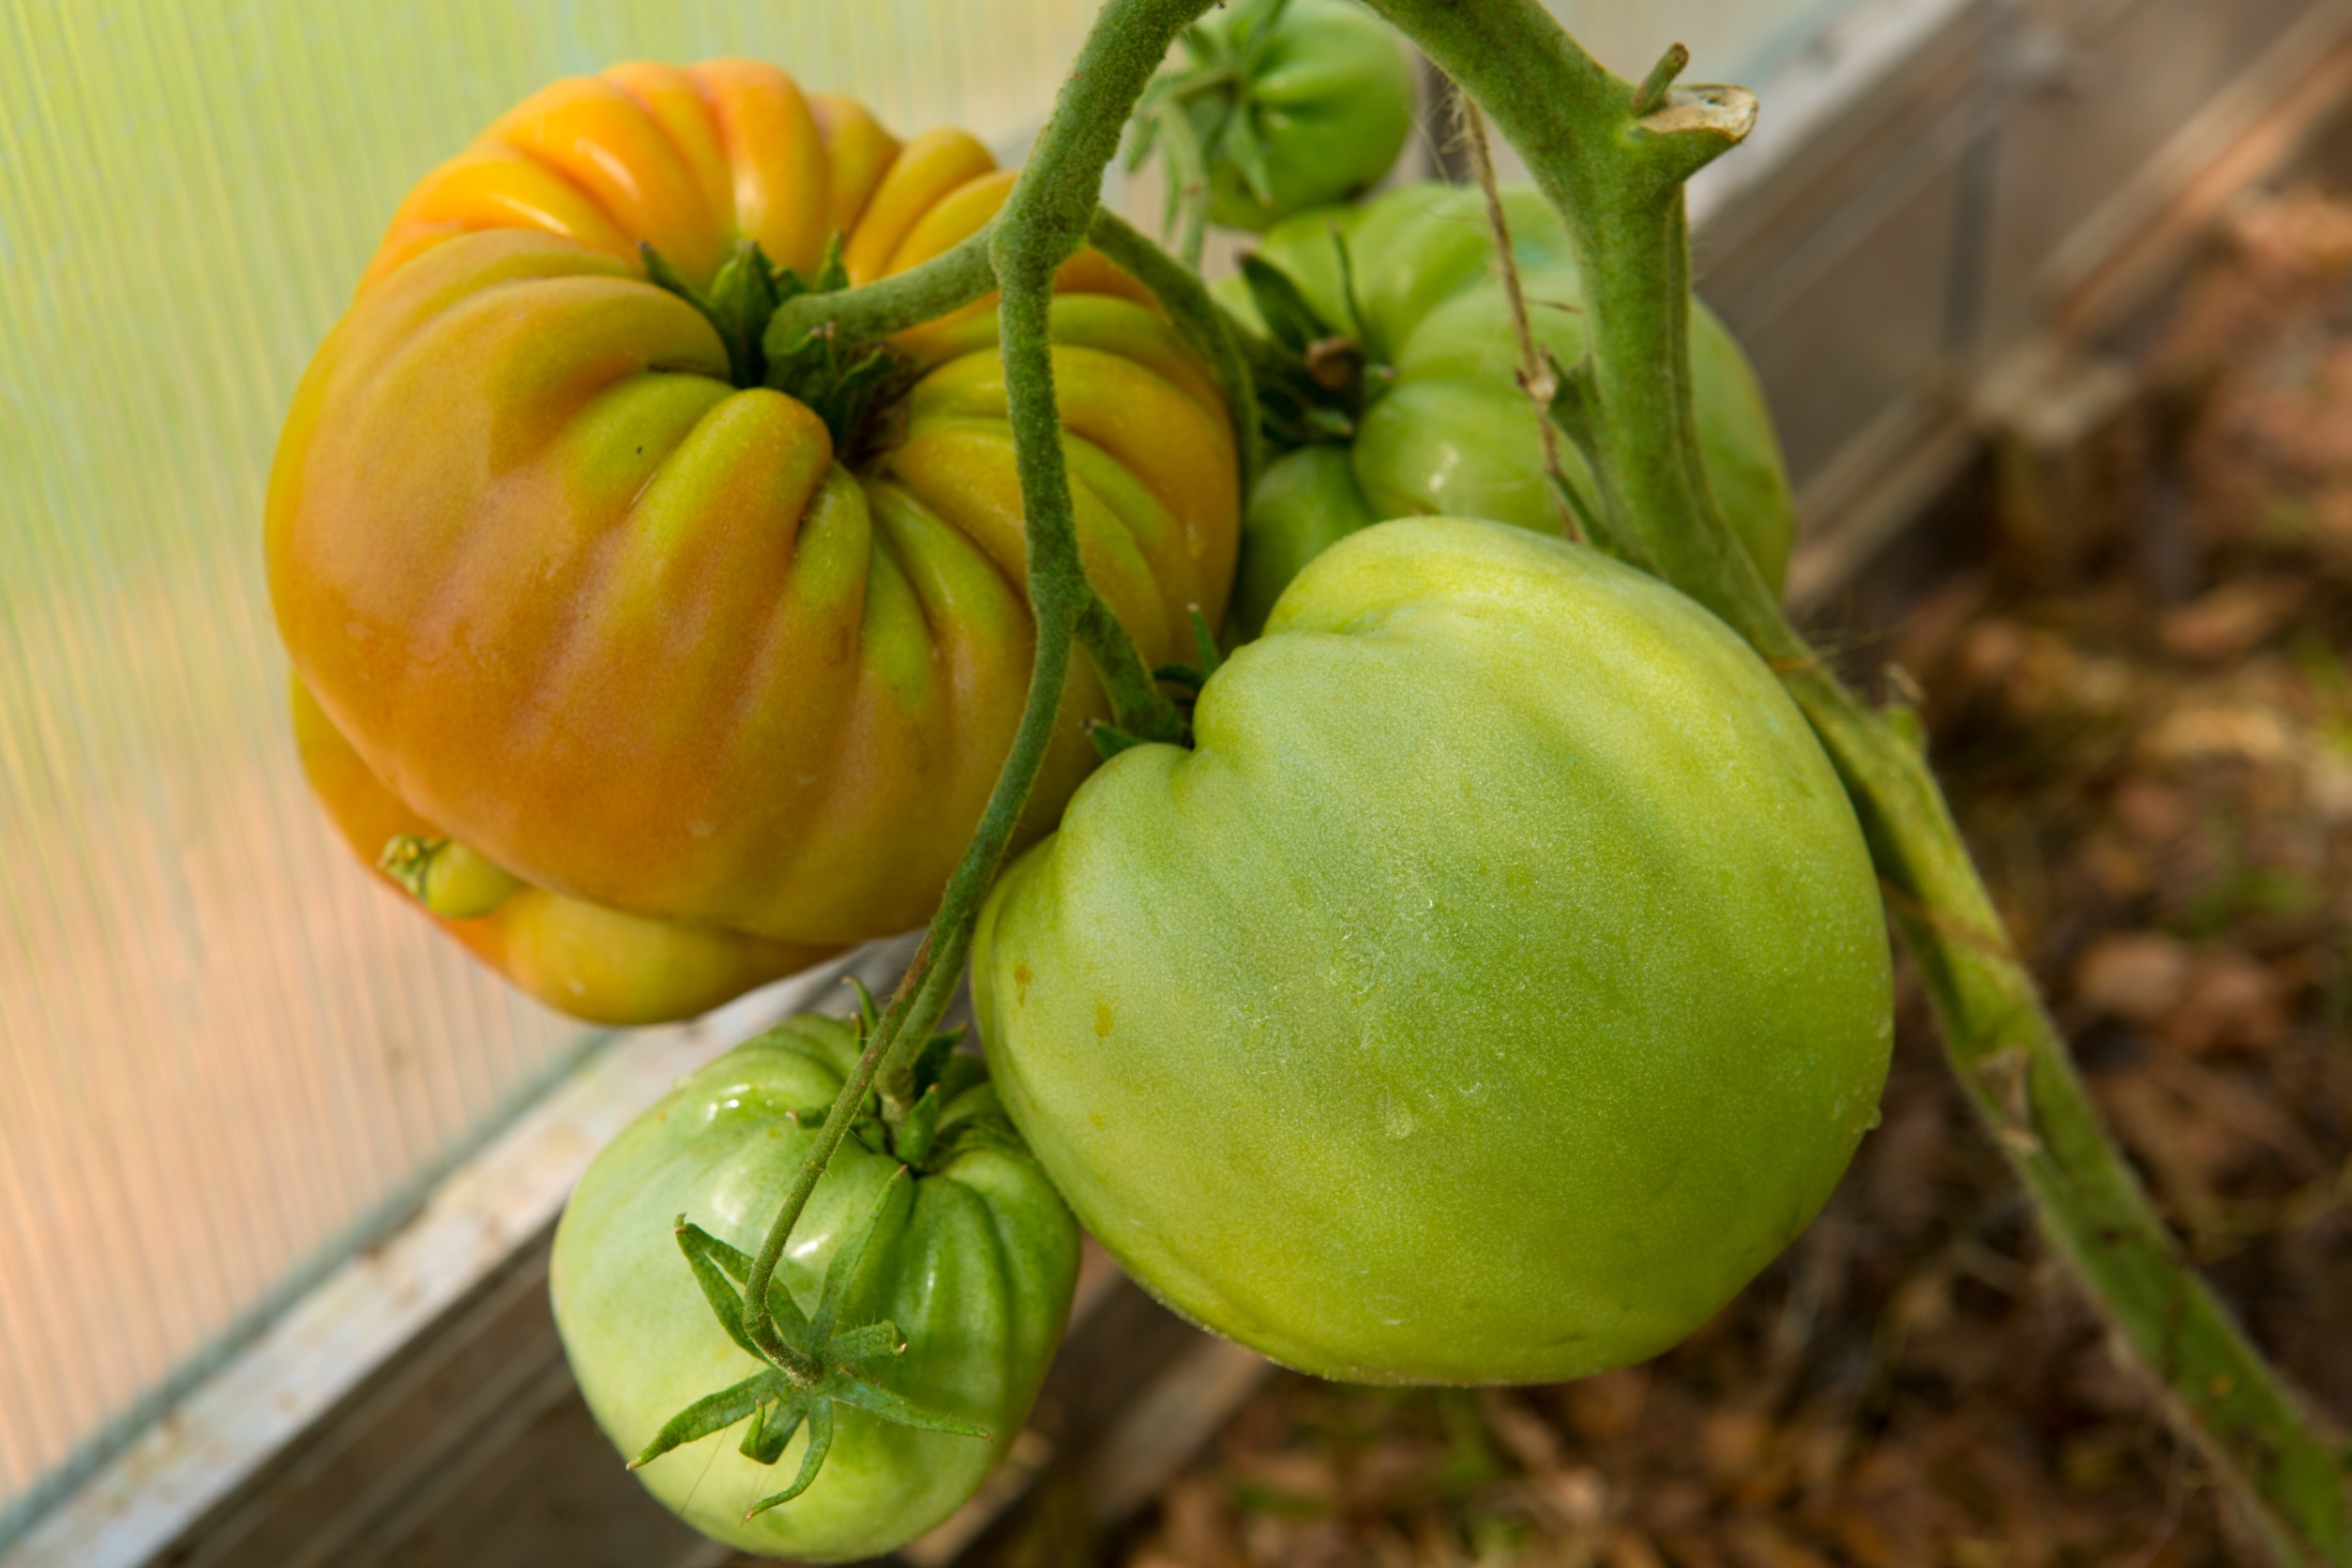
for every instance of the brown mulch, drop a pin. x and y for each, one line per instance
(2153, 760)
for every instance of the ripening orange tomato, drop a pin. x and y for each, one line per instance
(720, 688)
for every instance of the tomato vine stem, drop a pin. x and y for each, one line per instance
(1613, 159)
(1049, 217)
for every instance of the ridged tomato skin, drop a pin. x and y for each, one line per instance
(1447, 431)
(974, 1261)
(1497, 985)
(641, 637)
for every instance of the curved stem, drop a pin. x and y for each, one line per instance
(1197, 316)
(1613, 162)
(954, 277)
(1044, 222)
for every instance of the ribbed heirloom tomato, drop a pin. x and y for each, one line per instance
(1425, 414)
(971, 1259)
(1497, 985)
(719, 686)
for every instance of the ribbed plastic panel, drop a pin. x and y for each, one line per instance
(224, 1049)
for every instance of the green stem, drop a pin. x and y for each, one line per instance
(1196, 315)
(1613, 162)
(1044, 222)
(924, 293)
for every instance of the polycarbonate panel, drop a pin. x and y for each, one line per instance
(224, 1049)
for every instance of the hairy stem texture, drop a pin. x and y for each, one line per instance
(1044, 220)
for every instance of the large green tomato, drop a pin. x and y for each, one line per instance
(1438, 423)
(1499, 983)
(974, 1261)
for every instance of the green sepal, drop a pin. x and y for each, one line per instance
(725, 1301)
(1313, 375)
(841, 1274)
(878, 1338)
(819, 1444)
(1178, 675)
(1354, 324)
(1290, 321)
(1580, 506)
(1110, 740)
(663, 276)
(1907, 725)
(1205, 642)
(743, 297)
(447, 878)
(713, 1412)
(915, 1132)
(715, 1263)
(877, 1400)
(811, 1362)
(839, 383)
(738, 304)
(931, 1062)
(770, 1430)
(1193, 677)
(869, 1016)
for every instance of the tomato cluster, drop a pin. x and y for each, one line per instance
(1411, 403)
(1490, 985)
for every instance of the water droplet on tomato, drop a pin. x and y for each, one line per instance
(1395, 1119)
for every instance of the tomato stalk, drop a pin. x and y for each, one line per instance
(1613, 158)
(1049, 217)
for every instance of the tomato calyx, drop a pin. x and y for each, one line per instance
(924, 1129)
(812, 1362)
(841, 385)
(1206, 112)
(1314, 376)
(446, 877)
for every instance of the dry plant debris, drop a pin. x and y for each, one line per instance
(2154, 764)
